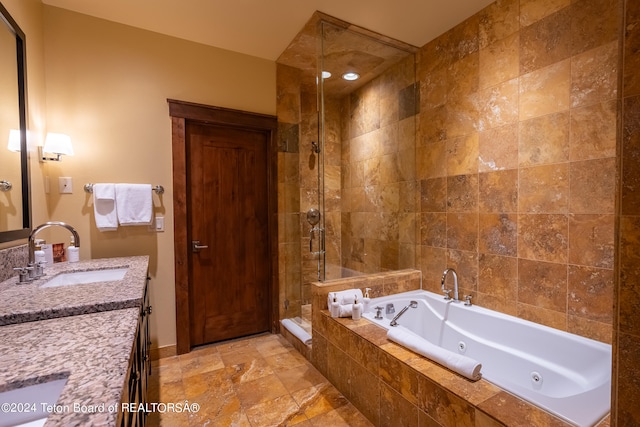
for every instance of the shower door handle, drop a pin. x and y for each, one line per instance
(320, 242)
(196, 246)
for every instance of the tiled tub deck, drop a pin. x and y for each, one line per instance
(393, 386)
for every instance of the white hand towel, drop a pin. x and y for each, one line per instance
(104, 207)
(134, 204)
(344, 297)
(459, 363)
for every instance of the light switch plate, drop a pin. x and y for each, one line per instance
(65, 185)
(159, 223)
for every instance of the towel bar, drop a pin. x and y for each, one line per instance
(159, 189)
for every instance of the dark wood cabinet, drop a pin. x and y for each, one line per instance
(134, 395)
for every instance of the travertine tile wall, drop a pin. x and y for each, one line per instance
(333, 193)
(514, 177)
(378, 172)
(289, 87)
(626, 390)
(298, 188)
(308, 186)
(516, 160)
(533, 129)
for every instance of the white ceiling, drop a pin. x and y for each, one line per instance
(264, 28)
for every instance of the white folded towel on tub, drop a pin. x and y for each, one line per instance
(104, 207)
(459, 363)
(344, 297)
(134, 204)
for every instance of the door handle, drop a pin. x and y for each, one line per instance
(196, 246)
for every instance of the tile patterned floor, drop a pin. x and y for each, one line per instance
(257, 382)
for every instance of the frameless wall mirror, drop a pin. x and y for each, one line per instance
(15, 215)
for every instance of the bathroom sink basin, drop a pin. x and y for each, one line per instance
(84, 277)
(30, 406)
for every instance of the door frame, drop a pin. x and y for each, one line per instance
(182, 112)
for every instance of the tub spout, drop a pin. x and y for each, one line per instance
(390, 309)
(455, 284)
(394, 321)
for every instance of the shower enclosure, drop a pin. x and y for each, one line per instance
(367, 135)
(347, 158)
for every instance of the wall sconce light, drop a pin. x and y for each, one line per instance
(57, 144)
(14, 141)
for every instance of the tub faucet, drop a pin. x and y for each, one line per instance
(455, 284)
(394, 321)
(378, 313)
(32, 237)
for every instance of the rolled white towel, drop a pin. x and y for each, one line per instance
(344, 297)
(459, 363)
(297, 330)
(345, 310)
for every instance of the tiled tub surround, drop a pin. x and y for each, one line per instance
(92, 351)
(391, 385)
(565, 374)
(26, 302)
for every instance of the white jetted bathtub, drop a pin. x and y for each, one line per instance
(563, 373)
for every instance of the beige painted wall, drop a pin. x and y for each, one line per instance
(107, 86)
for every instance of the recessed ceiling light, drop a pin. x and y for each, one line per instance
(351, 76)
(326, 74)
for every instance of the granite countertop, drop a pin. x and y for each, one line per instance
(91, 351)
(27, 302)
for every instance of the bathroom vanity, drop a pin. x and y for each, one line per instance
(76, 352)
(36, 300)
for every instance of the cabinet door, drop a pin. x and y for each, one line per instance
(144, 344)
(134, 379)
(125, 417)
(135, 389)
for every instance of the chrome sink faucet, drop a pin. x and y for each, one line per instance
(32, 270)
(455, 284)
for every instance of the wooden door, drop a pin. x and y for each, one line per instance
(229, 289)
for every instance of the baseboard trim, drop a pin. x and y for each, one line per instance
(162, 352)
